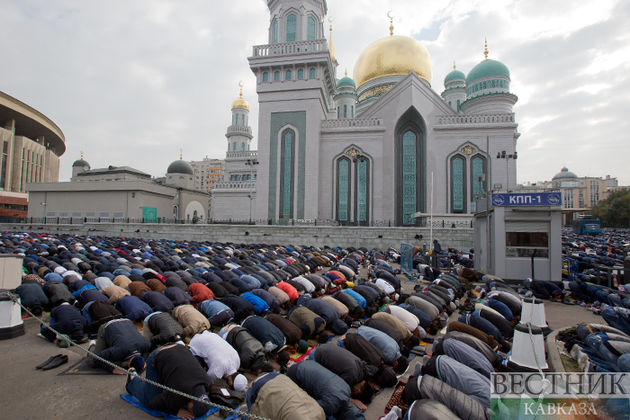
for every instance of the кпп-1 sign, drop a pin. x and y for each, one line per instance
(527, 199)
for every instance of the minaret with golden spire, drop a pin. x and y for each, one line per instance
(181, 154)
(485, 48)
(331, 48)
(454, 67)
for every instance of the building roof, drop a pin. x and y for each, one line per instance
(486, 69)
(564, 174)
(180, 167)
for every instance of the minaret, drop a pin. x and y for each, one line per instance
(296, 76)
(455, 89)
(239, 133)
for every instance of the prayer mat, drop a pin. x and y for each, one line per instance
(296, 357)
(396, 398)
(82, 367)
(156, 413)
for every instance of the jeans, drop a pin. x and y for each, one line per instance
(615, 320)
(144, 391)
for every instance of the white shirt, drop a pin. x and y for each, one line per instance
(405, 316)
(383, 284)
(219, 355)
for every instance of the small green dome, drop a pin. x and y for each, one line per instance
(454, 75)
(346, 81)
(81, 163)
(180, 167)
(488, 68)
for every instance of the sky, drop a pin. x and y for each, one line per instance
(133, 82)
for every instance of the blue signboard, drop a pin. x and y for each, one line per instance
(527, 199)
(406, 258)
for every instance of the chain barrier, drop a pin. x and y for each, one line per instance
(69, 341)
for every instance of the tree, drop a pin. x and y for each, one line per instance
(615, 210)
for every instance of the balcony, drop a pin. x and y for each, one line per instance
(290, 48)
(245, 154)
(475, 119)
(235, 185)
(239, 130)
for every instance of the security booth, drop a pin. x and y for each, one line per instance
(11, 324)
(519, 235)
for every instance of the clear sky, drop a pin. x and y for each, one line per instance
(132, 82)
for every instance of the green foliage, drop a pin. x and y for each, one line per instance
(615, 210)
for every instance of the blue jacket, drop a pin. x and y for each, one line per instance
(357, 297)
(133, 308)
(268, 334)
(32, 294)
(271, 300)
(330, 391)
(384, 342)
(501, 308)
(158, 301)
(260, 306)
(212, 307)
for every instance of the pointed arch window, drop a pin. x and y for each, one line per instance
(300, 74)
(265, 76)
(287, 169)
(362, 205)
(274, 31)
(312, 73)
(410, 168)
(311, 28)
(477, 175)
(343, 189)
(458, 184)
(291, 27)
(288, 75)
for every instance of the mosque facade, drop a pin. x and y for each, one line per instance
(380, 147)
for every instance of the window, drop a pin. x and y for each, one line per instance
(458, 105)
(352, 111)
(345, 111)
(276, 76)
(362, 191)
(338, 112)
(265, 76)
(274, 31)
(243, 146)
(343, 189)
(286, 173)
(312, 73)
(234, 147)
(521, 243)
(410, 167)
(477, 175)
(311, 28)
(287, 75)
(291, 27)
(300, 74)
(458, 184)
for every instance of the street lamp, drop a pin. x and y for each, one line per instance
(251, 163)
(504, 155)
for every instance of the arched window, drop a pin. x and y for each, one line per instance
(287, 75)
(459, 105)
(311, 28)
(458, 184)
(477, 175)
(343, 189)
(362, 205)
(291, 27)
(352, 111)
(410, 166)
(287, 173)
(234, 147)
(274, 31)
(345, 111)
(338, 112)
(312, 73)
(276, 76)
(243, 146)
(300, 74)
(265, 76)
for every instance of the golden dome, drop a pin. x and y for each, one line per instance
(240, 102)
(392, 55)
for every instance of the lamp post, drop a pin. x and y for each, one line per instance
(251, 163)
(504, 155)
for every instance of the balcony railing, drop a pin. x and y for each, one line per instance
(352, 123)
(237, 129)
(290, 48)
(235, 185)
(247, 154)
(475, 119)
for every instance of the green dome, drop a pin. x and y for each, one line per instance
(454, 75)
(488, 68)
(346, 81)
(180, 167)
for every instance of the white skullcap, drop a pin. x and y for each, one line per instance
(240, 383)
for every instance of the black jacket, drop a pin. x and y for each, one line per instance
(342, 362)
(57, 293)
(177, 296)
(364, 350)
(177, 368)
(249, 349)
(157, 301)
(165, 329)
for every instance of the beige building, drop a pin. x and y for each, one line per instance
(31, 145)
(120, 194)
(579, 194)
(207, 173)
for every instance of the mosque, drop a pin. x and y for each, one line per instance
(381, 147)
